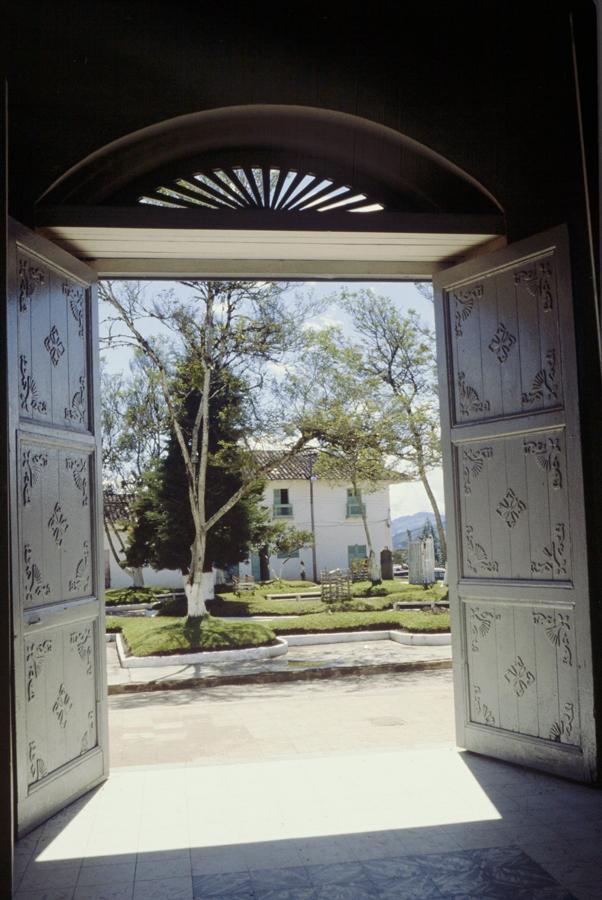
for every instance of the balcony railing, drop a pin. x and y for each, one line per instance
(283, 510)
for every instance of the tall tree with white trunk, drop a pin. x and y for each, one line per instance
(237, 326)
(397, 353)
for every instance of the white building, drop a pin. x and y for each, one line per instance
(329, 510)
(295, 496)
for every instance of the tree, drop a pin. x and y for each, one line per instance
(398, 350)
(235, 326)
(133, 430)
(338, 408)
(284, 541)
(163, 527)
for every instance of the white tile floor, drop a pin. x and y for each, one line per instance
(160, 832)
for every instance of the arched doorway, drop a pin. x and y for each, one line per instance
(251, 191)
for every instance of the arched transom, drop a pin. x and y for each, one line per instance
(260, 187)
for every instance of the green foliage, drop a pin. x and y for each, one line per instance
(397, 357)
(163, 531)
(410, 620)
(284, 586)
(282, 539)
(359, 570)
(133, 420)
(398, 588)
(127, 595)
(168, 636)
(176, 606)
(256, 604)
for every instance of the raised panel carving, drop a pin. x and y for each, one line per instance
(60, 713)
(56, 556)
(521, 674)
(31, 277)
(53, 352)
(30, 398)
(512, 491)
(54, 346)
(506, 343)
(35, 654)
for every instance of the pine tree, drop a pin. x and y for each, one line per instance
(163, 531)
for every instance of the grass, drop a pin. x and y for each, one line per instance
(256, 604)
(167, 636)
(164, 636)
(124, 596)
(408, 620)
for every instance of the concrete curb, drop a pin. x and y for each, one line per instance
(420, 639)
(190, 659)
(308, 674)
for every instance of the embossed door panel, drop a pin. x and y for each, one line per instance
(60, 679)
(514, 500)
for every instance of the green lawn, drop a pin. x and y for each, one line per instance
(409, 620)
(256, 604)
(165, 636)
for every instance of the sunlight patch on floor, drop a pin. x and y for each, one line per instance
(152, 809)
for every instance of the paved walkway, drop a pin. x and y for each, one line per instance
(299, 663)
(254, 722)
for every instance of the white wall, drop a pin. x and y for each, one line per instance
(334, 532)
(165, 578)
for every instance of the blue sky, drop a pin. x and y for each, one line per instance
(406, 499)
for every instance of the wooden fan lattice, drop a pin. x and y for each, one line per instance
(241, 187)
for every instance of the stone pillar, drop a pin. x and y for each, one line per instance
(386, 564)
(264, 564)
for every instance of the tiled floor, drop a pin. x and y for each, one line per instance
(422, 823)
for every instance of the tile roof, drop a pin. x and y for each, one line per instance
(300, 466)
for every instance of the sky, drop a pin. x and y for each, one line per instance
(406, 499)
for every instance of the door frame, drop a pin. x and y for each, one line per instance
(230, 267)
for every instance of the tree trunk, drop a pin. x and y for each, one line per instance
(194, 584)
(437, 514)
(138, 576)
(367, 530)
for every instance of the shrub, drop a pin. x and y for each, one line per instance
(127, 595)
(176, 606)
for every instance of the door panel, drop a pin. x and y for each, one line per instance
(514, 498)
(60, 680)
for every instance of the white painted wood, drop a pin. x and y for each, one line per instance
(121, 250)
(517, 571)
(60, 679)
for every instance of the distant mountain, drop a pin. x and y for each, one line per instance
(414, 523)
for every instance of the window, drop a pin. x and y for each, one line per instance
(282, 507)
(356, 551)
(355, 507)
